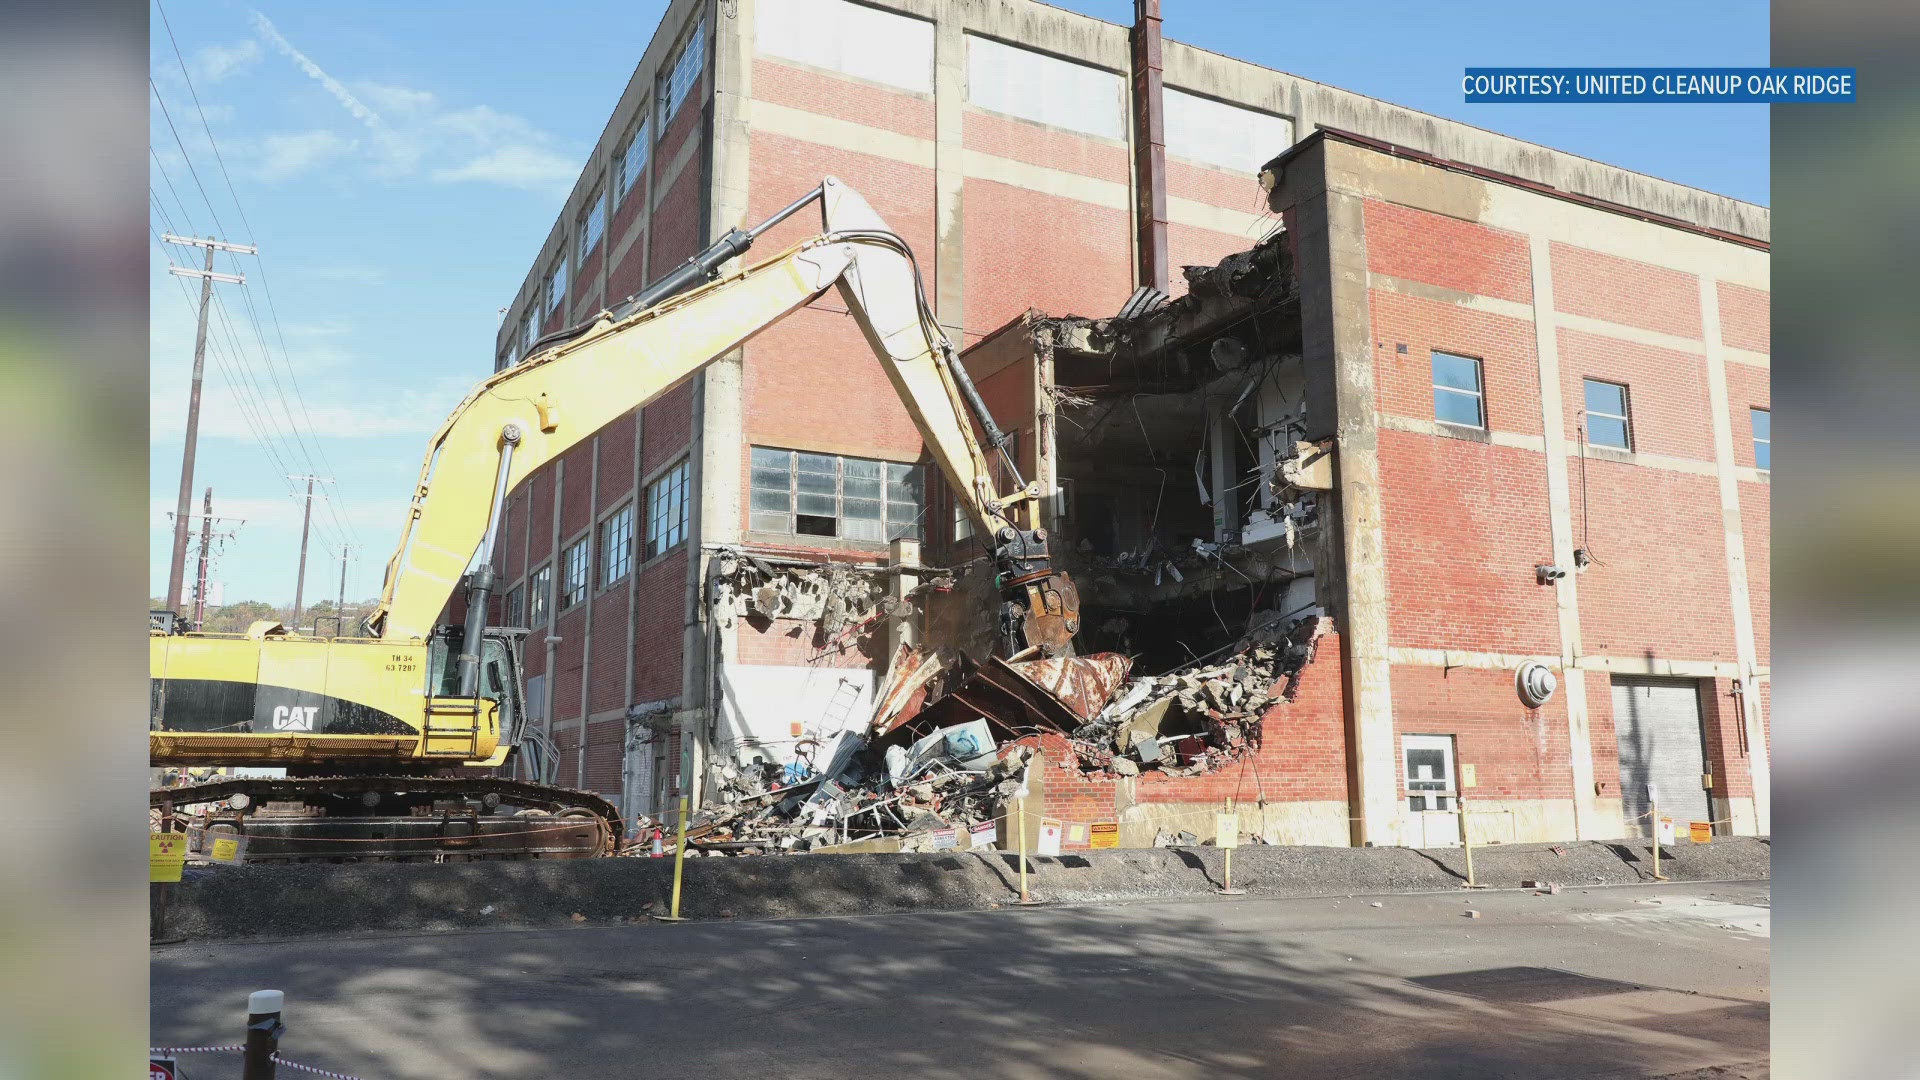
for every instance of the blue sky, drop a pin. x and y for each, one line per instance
(398, 164)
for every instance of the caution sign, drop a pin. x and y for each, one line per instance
(1226, 830)
(1700, 832)
(231, 850)
(1664, 834)
(1103, 834)
(166, 855)
(1050, 833)
(984, 835)
(943, 839)
(163, 1068)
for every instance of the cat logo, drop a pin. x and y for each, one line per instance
(294, 717)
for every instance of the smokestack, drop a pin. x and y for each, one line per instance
(1149, 147)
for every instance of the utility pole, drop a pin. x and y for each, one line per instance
(340, 612)
(306, 521)
(200, 579)
(177, 568)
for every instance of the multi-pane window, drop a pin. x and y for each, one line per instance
(1607, 423)
(1762, 438)
(532, 331)
(667, 511)
(593, 223)
(1457, 396)
(828, 495)
(539, 587)
(557, 284)
(681, 78)
(616, 545)
(514, 608)
(573, 573)
(632, 164)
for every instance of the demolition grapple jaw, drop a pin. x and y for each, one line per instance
(1040, 606)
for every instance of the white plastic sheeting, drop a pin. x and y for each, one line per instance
(1045, 89)
(851, 38)
(1230, 136)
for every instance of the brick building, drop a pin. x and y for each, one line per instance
(1507, 406)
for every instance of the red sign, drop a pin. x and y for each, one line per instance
(163, 1068)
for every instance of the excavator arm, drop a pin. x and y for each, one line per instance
(581, 379)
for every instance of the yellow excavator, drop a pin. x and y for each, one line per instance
(379, 735)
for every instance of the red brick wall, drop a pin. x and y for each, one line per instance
(676, 222)
(666, 426)
(1027, 249)
(1720, 723)
(628, 275)
(1666, 392)
(606, 676)
(1445, 251)
(569, 657)
(1516, 752)
(1403, 382)
(660, 608)
(1658, 585)
(1746, 317)
(1048, 147)
(1465, 524)
(606, 746)
(586, 280)
(681, 126)
(616, 462)
(1756, 533)
(1302, 758)
(1625, 291)
(819, 92)
(1748, 388)
(576, 486)
(796, 643)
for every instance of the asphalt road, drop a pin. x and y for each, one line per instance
(1637, 981)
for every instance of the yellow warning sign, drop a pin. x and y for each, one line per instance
(1701, 832)
(1103, 834)
(166, 855)
(228, 849)
(1226, 830)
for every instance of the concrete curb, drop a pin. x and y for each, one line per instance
(231, 903)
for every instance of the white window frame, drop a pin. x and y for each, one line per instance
(889, 530)
(539, 595)
(627, 168)
(513, 607)
(663, 538)
(576, 571)
(616, 545)
(556, 284)
(1625, 416)
(592, 226)
(679, 79)
(1478, 393)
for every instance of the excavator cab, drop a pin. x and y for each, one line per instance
(500, 680)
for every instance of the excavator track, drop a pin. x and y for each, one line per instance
(394, 818)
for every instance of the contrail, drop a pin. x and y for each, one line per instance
(340, 93)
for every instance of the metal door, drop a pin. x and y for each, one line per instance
(1432, 816)
(1657, 725)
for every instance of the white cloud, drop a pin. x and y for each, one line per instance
(217, 62)
(414, 134)
(515, 166)
(286, 156)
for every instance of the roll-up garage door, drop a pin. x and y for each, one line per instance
(1657, 723)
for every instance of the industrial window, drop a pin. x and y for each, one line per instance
(532, 331)
(805, 494)
(667, 511)
(616, 545)
(1607, 423)
(633, 157)
(506, 358)
(557, 284)
(1457, 397)
(853, 38)
(514, 608)
(1762, 438)
(683, 74)
(1216, 133)
(593, 223)
(962, 524)
(539, 588)
(573, 573)
(1045, 89)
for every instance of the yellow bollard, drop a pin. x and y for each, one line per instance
(1228, 838)
(1654, 808)
(1025, 900)
(679, 863)
(1466, 841)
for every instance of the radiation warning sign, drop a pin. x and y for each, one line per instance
(166, 855)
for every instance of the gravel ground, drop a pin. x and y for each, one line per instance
(221, 903)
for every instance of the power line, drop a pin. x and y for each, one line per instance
(260, 263)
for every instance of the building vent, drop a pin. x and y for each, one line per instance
(1536, 683)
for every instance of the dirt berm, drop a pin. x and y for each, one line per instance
(215, 903)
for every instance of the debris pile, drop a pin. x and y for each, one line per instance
(1201, 717)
